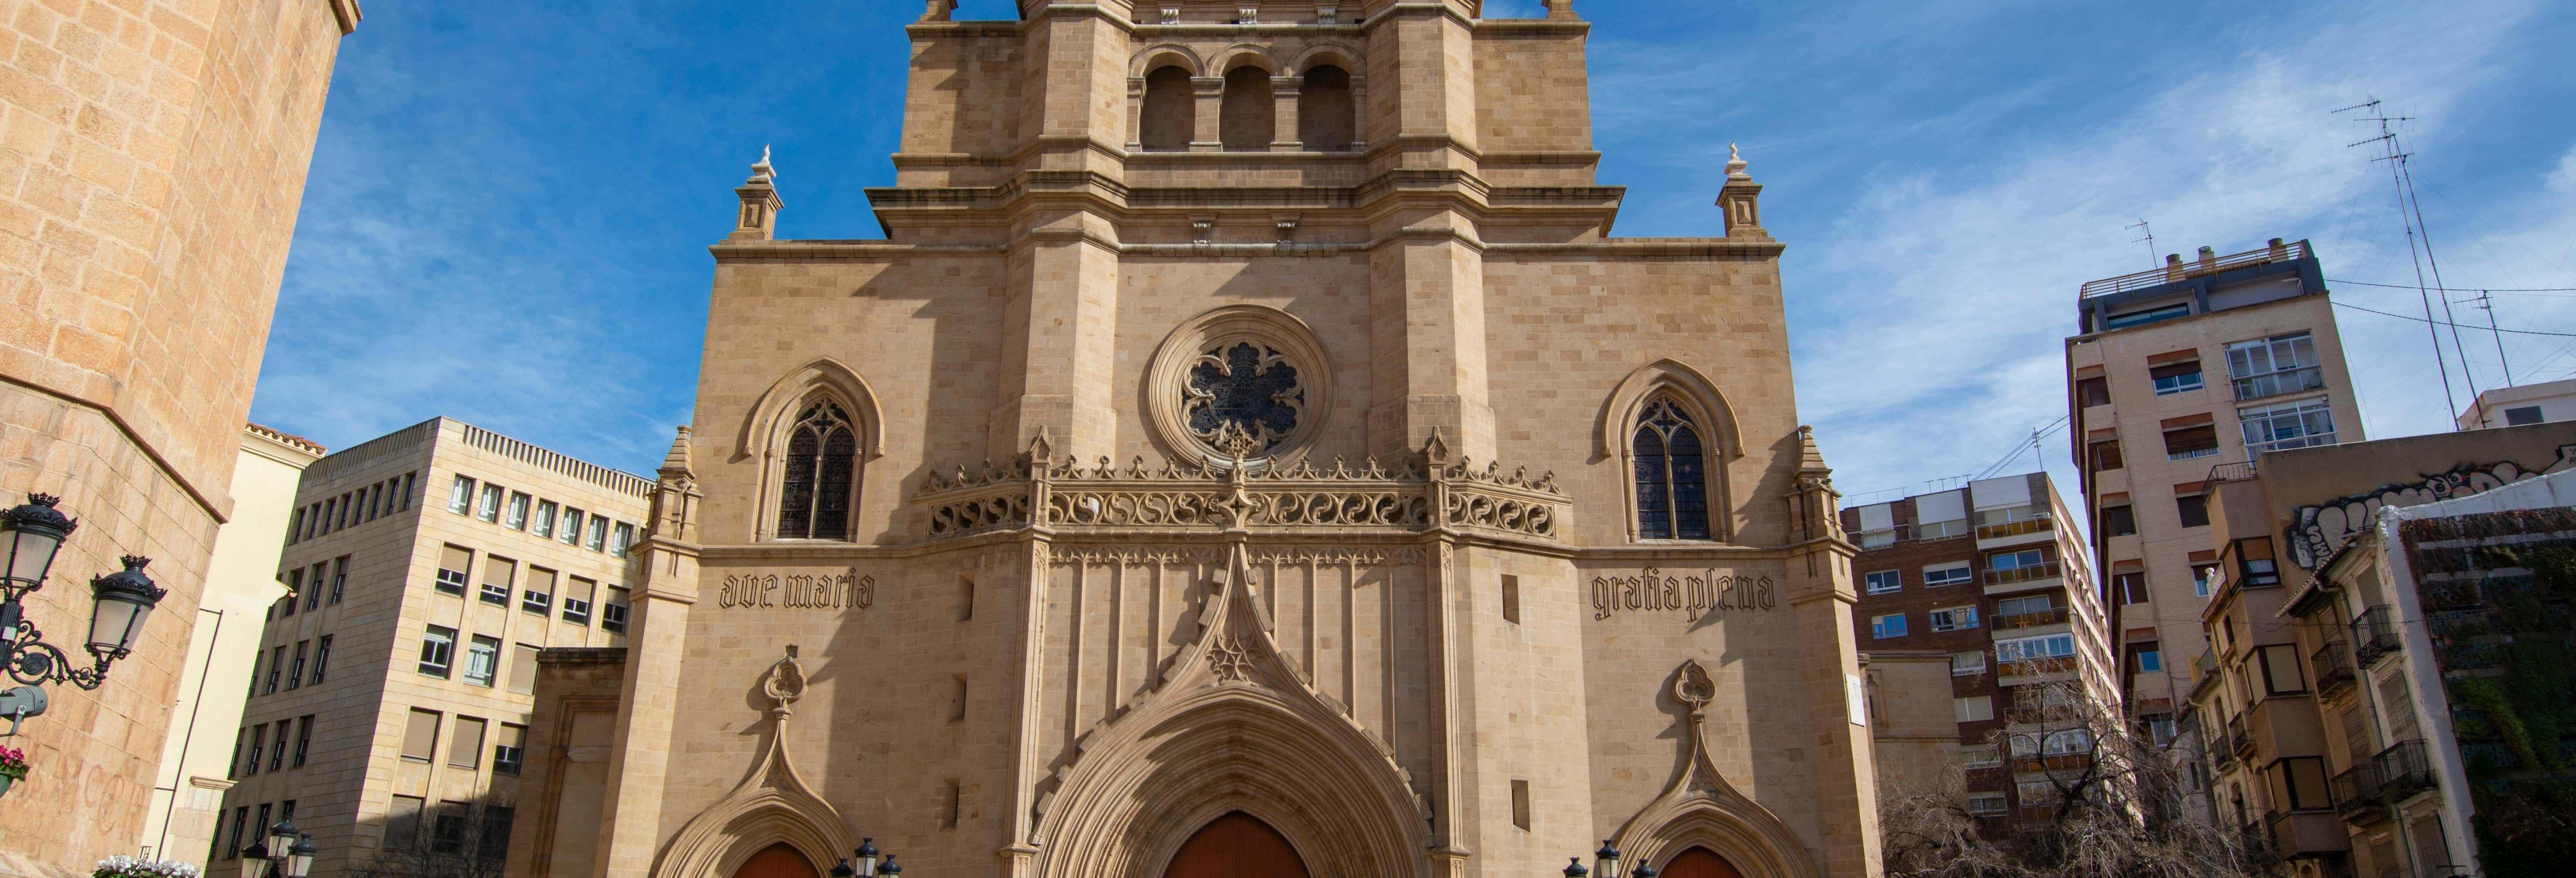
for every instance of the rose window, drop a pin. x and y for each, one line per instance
(1242, 399)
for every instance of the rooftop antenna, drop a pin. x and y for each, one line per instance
(2396, 159)
(2486, 303)
(2147, 235)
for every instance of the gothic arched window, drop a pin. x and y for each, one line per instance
(1672, 484)
(822, 460)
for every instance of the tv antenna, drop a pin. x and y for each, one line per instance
(2411, 213)
(2486, 303)
(2147, 235)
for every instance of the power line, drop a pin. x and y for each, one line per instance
(2358, 283)
(2452, 325)
(2395, 158)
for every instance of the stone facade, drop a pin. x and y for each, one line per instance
(1190, 475)
(152, 155)
(389, 703)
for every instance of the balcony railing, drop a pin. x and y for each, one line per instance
(2030, 573)
(2238, 739)
(2033, 667)
(2374, 634)
(2333, 665)
(1906, 533)
(2356, 793)
(2277, 383)
(2233, 472)
(2178, 271)
(2052, 616)
(2403, 770)
(2016, 528)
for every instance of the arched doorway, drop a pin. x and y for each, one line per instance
(1700, 862)
(776, 861)
(1237, 845)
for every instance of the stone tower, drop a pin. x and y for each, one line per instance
(1247, 442)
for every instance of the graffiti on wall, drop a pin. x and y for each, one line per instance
(2317, 531)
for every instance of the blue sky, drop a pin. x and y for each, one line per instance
(510, 201)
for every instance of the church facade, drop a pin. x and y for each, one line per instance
(1247, 452)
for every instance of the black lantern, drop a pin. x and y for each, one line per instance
(867, 856)
(299, 859)
(843, 870)
(29, 537)
(281, 837)
(1642, 871)
(890, 868)
(1606, 860)
(254, 860)
(1574, 868)
(120, 603)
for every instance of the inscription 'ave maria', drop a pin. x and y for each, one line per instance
(1653, 590)
(846, 590)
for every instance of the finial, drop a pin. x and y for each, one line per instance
(761, 171)
(1735, 163)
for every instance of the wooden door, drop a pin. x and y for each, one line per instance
(777, 861)
(1237, 845)
(1699, 862)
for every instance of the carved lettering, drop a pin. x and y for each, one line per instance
(1652, 590)
(835, 592)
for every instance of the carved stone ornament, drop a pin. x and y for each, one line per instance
(773, 803)
(786, 682)
(1243, 382)
(1700, 808)
(1693, 687)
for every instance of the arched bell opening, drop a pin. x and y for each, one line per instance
(780, 860)
(1236, 845)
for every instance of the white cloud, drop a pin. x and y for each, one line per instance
(2563, 180)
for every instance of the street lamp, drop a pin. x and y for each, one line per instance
(120, 602)
(867, 867)
(285, 853)
(1605, 865)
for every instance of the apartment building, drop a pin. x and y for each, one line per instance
(2540, 403)
(188, 790)
(1988, 575)
(389, 703)
(2352, 698)
(2173, 371)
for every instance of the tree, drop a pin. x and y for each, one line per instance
(447, 840)
(2097, 801)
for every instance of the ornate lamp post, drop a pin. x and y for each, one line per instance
(30, 535)
(868, 863)
(1605, 865)
(285, 853)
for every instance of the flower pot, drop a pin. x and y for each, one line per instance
(5, 781)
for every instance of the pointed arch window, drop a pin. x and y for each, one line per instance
(1672, 481)
(822, 457)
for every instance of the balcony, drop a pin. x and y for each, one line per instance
(2374, 634)
(2403, 770)
(2181, 271)
(2042, 524)
(2305, 833)
(2014, 670)
(2238, 738)
(2356, 794)
(2333, 665)
(2055, 616)
(2278, 383)
(2031, 573)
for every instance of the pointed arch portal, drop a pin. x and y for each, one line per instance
(779, 860)
(1237, 845)
(1700, 862)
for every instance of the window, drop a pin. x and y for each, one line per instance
(321, 657)
(2038, 792)
(2273, 366)
(1974, 708)
(406, 489)
(2025, 606)
(2105, 455)
(1169, 117)
(2194, 509)
(339, 577)
(2281, 674)
(2204, 578)
(2191, 442)
(447, 828)
(1672, 490)
(2016, 560)
(598, 533)
(295, 673)
(2254, 564)
(258, 745)
(241, 819)
(2034, 648)
(814, 495)
(2151, 658)
(1512, 601)
(420, 735)
(1980, 756)
(1247, 116)
(612, 616)
(295, 581)
(490, 510)
(263, 823)
(402, 823)
(2129, 588)
(517, 516)
(465, 743)
(1883, 581)
(276, 668)
(2516, 417)
(2151, 315)
(1520, 804)
(1967, 664)
(437, 651)
(1954, 619)
(294, 533)
(303, 739)
(1325, 122)
(1957, 573)
(2090, 392)
(453, 561)
(576, 603)
(2288, 425)
(2300, 782)
(570, 532)
(509, 749)
(539, 595)
(965, 598)
(241, 739)
(624, 539)
(497, 572)
(460, 499)
(482, 660)
(1986, 804)
(312, 596)
(545, 524)
(1890, 625)
(2175, 377)
(2118, 521)
(2067, 743)
(495, 840)
(2160, 728)
(523, 669)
